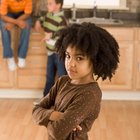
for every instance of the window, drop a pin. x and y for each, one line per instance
(100, 3)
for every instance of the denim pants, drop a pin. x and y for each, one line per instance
(54, 67)
(24, 38)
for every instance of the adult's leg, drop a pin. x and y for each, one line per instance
(24, 39)
(6, 40)
(50, 77)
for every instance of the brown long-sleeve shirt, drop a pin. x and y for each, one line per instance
(79, 103)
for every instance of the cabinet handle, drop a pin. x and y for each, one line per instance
(35, 33)
(34, 62)
(37, 79)
(139, 66)
(35, 47)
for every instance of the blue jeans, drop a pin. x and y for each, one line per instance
(54, 67)
(24, 38)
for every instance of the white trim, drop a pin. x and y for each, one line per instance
(80, 4)
(121, 95)
(16, 93)
(107, 95)
(99, 7)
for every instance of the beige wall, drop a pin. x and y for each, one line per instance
(134, 5)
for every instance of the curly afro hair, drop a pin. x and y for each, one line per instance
(93, 41)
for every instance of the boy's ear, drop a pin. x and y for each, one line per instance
(58, 6)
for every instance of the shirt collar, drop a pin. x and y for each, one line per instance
(60, 13)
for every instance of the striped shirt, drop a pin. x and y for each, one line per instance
(15, 6)
(52, 23)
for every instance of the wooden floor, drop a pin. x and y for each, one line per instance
(118, 120)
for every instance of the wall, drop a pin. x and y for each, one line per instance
(134, 6)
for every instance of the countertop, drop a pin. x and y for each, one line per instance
(124, 24)
(106, 23)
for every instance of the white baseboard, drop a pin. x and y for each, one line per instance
(14, 93)
(121, 95)
(107, 95)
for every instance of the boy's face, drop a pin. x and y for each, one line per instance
(78, 66)
(52, 6)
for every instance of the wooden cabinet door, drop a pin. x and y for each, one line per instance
(34, 75)
(122, 80)
(36, 45)
(34, 78)
(6, 76)
(138, 62)
(138, 67)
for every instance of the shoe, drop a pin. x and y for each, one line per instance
(36, 102)
(21, 62)
(11, 64)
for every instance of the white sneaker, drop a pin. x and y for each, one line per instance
(21, 62)
(11, 64)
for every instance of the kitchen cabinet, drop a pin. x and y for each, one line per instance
(138, 68)
(6, 77)
(33, 76)
(123, 78)
(137, 58)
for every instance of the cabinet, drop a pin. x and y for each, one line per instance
(123, 77)
(6, 77)
(138, 68)
(33, 76)
(137, 62)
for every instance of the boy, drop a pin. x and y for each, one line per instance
(52, 22)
